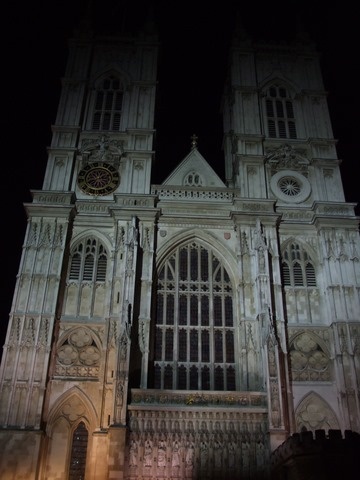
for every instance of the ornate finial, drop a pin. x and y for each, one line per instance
(193, 141)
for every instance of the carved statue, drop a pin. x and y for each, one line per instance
(133, 453)
(148, 453)
(175, 454)
(190, 453)
(161, 454)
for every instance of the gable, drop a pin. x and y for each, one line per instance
(194, 171)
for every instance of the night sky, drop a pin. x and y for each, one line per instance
(194, 38)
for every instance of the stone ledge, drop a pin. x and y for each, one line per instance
(185, 398)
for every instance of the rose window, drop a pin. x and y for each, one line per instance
(289, 186)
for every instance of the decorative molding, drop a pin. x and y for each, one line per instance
(163, 398)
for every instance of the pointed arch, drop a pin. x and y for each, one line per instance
(314, 413)
(92, 233)
(194, 328)
(72, 413)
(277, 77)
(88, 259)
(87, 275)
(227, 256)
(79, 448)
(78, 353)
(73, 407)
(278, 101)
(106, 100)
(298, 264)
(111, 69)
(309, 357)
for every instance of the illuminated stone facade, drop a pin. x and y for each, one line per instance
(187, 329)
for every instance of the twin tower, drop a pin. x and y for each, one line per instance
(183, 330)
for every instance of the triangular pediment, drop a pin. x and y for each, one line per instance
(194, 171)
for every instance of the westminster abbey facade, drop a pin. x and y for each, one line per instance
(187, 329)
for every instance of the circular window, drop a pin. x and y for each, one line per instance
(290, 186)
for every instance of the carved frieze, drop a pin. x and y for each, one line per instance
(286, 157)
(78, 354)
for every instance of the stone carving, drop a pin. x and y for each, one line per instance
(176, 453)
(244, 246)
(287, 157)
(103, 149)
(144, 325)
(308, 360)
(275, 402)
(73, 409)
(313, 413)
(148, 451)
(204, 453)
(218, 449)
(161, 457)
(133, 453)
(231, 454)
(190, 454)
(78, 354)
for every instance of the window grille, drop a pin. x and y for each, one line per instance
(108, 105)
(78, 453)
(194, 332)
(297, 267)
(280, 113)
(88, 262)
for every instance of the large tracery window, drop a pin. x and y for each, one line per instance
(108, 105)
(297, 267)
(194, 337)
(280, 113)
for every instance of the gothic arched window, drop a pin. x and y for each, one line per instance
(297, 267)
(194, 332)
(88, 261)
(78, 453)
(107, 105)
(280, 113)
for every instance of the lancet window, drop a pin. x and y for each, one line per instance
(194, 333)
(78, 453)
(297, 267)
(88, 261)
(107, 105)
(280, 113)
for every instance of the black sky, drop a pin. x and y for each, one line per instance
(194, 38)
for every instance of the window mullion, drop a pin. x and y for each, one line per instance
(211, 320)
(176, 321)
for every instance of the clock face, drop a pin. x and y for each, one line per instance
(98, 179)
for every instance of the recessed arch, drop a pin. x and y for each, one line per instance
(298, 264)
(316, 338)
(91, 232)
(314, 413)
(110, 70)
(72, 407)
(279, 109)
(309, 358)
(226, 255)
(195, 334)
(306, 246)
(278, 78)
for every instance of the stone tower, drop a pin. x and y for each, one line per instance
(186, 329)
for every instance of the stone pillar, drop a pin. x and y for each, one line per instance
(116, 460)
